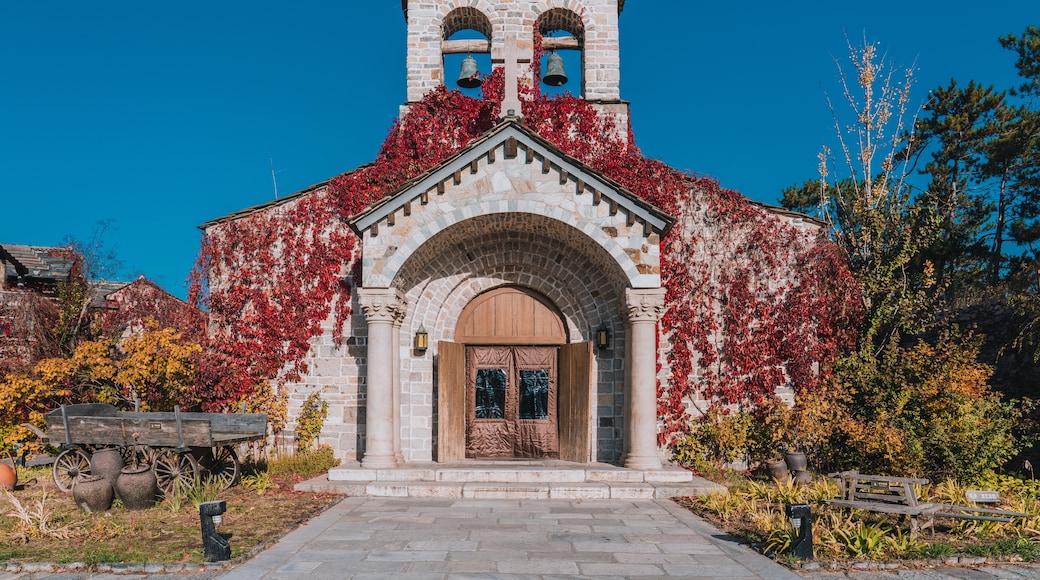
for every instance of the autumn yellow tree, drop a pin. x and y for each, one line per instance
(155, 367)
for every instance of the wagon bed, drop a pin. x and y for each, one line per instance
(181, 447)
(99, 424)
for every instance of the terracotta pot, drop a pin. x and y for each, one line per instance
(92, 493)
(796, 461)
(137, 488)
(777, 469)
(107, 462)
(802, 477)
(8, 474)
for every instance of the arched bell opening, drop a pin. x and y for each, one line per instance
(466, 50)
(563, 45)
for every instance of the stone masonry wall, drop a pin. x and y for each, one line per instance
(431, 21)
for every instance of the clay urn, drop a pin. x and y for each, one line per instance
(777, 469)
(796, 461)
(92, 493)
(107, 462)
(8, 474)
(137, 487)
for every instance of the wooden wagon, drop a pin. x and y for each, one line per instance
(181, 447)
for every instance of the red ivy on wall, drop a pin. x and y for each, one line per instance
(736, 328)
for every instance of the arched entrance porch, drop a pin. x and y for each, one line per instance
(509, 211)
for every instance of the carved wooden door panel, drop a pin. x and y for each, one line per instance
(511, 401)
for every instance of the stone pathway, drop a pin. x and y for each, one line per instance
(463, 538)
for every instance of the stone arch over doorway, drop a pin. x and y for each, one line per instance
(478, 222)
(496, 252)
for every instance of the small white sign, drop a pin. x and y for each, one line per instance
(980, 496)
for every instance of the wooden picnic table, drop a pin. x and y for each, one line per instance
(898, 495)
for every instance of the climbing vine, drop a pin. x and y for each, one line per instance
(735, 328)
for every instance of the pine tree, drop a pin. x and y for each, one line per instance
(955, 134)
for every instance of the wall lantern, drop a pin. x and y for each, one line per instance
(603, 337)
(422, 340)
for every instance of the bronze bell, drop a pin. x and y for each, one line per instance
(469, 76)
(554, 75)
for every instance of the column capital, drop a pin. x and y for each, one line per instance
(643, 304)
(383, 304)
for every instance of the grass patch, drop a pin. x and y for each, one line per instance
(167, 533)
(1024, 548)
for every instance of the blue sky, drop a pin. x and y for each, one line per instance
(159, 116)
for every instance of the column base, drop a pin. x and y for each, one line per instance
(642, 462)
(379, 462)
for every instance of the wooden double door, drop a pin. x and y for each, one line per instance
(512, 386)
(511, 401)
(514, 401)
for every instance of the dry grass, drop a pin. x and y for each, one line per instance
(753, 511)
(38, 523)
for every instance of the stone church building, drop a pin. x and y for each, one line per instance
(509, 298)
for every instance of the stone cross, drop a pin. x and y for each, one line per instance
(511, 97)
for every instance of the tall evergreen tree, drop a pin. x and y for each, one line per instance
(1013, 163)
(1028, 48)
(955, 133)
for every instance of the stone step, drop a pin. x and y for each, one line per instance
(565, 489)
(509, 472)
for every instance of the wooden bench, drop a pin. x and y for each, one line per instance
(897, 495)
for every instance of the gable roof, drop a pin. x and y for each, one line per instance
(511, 133)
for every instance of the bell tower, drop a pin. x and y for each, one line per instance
(507, 27)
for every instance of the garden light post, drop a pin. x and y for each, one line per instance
(215, 546)
(801, 519)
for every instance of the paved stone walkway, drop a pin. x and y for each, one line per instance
(463, 538)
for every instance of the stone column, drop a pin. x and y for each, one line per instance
(382, 307)
(396, 341)
(643, 307)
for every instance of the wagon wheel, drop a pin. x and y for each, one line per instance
(172, 469)
(222, 465)
(69, 467)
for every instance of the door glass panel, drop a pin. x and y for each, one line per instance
(534, 394)
(491, 394)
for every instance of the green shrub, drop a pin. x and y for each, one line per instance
(719, 436)
(305, 464)
(309, 423)
(260, 482)
(925, 410)
(863, 540)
